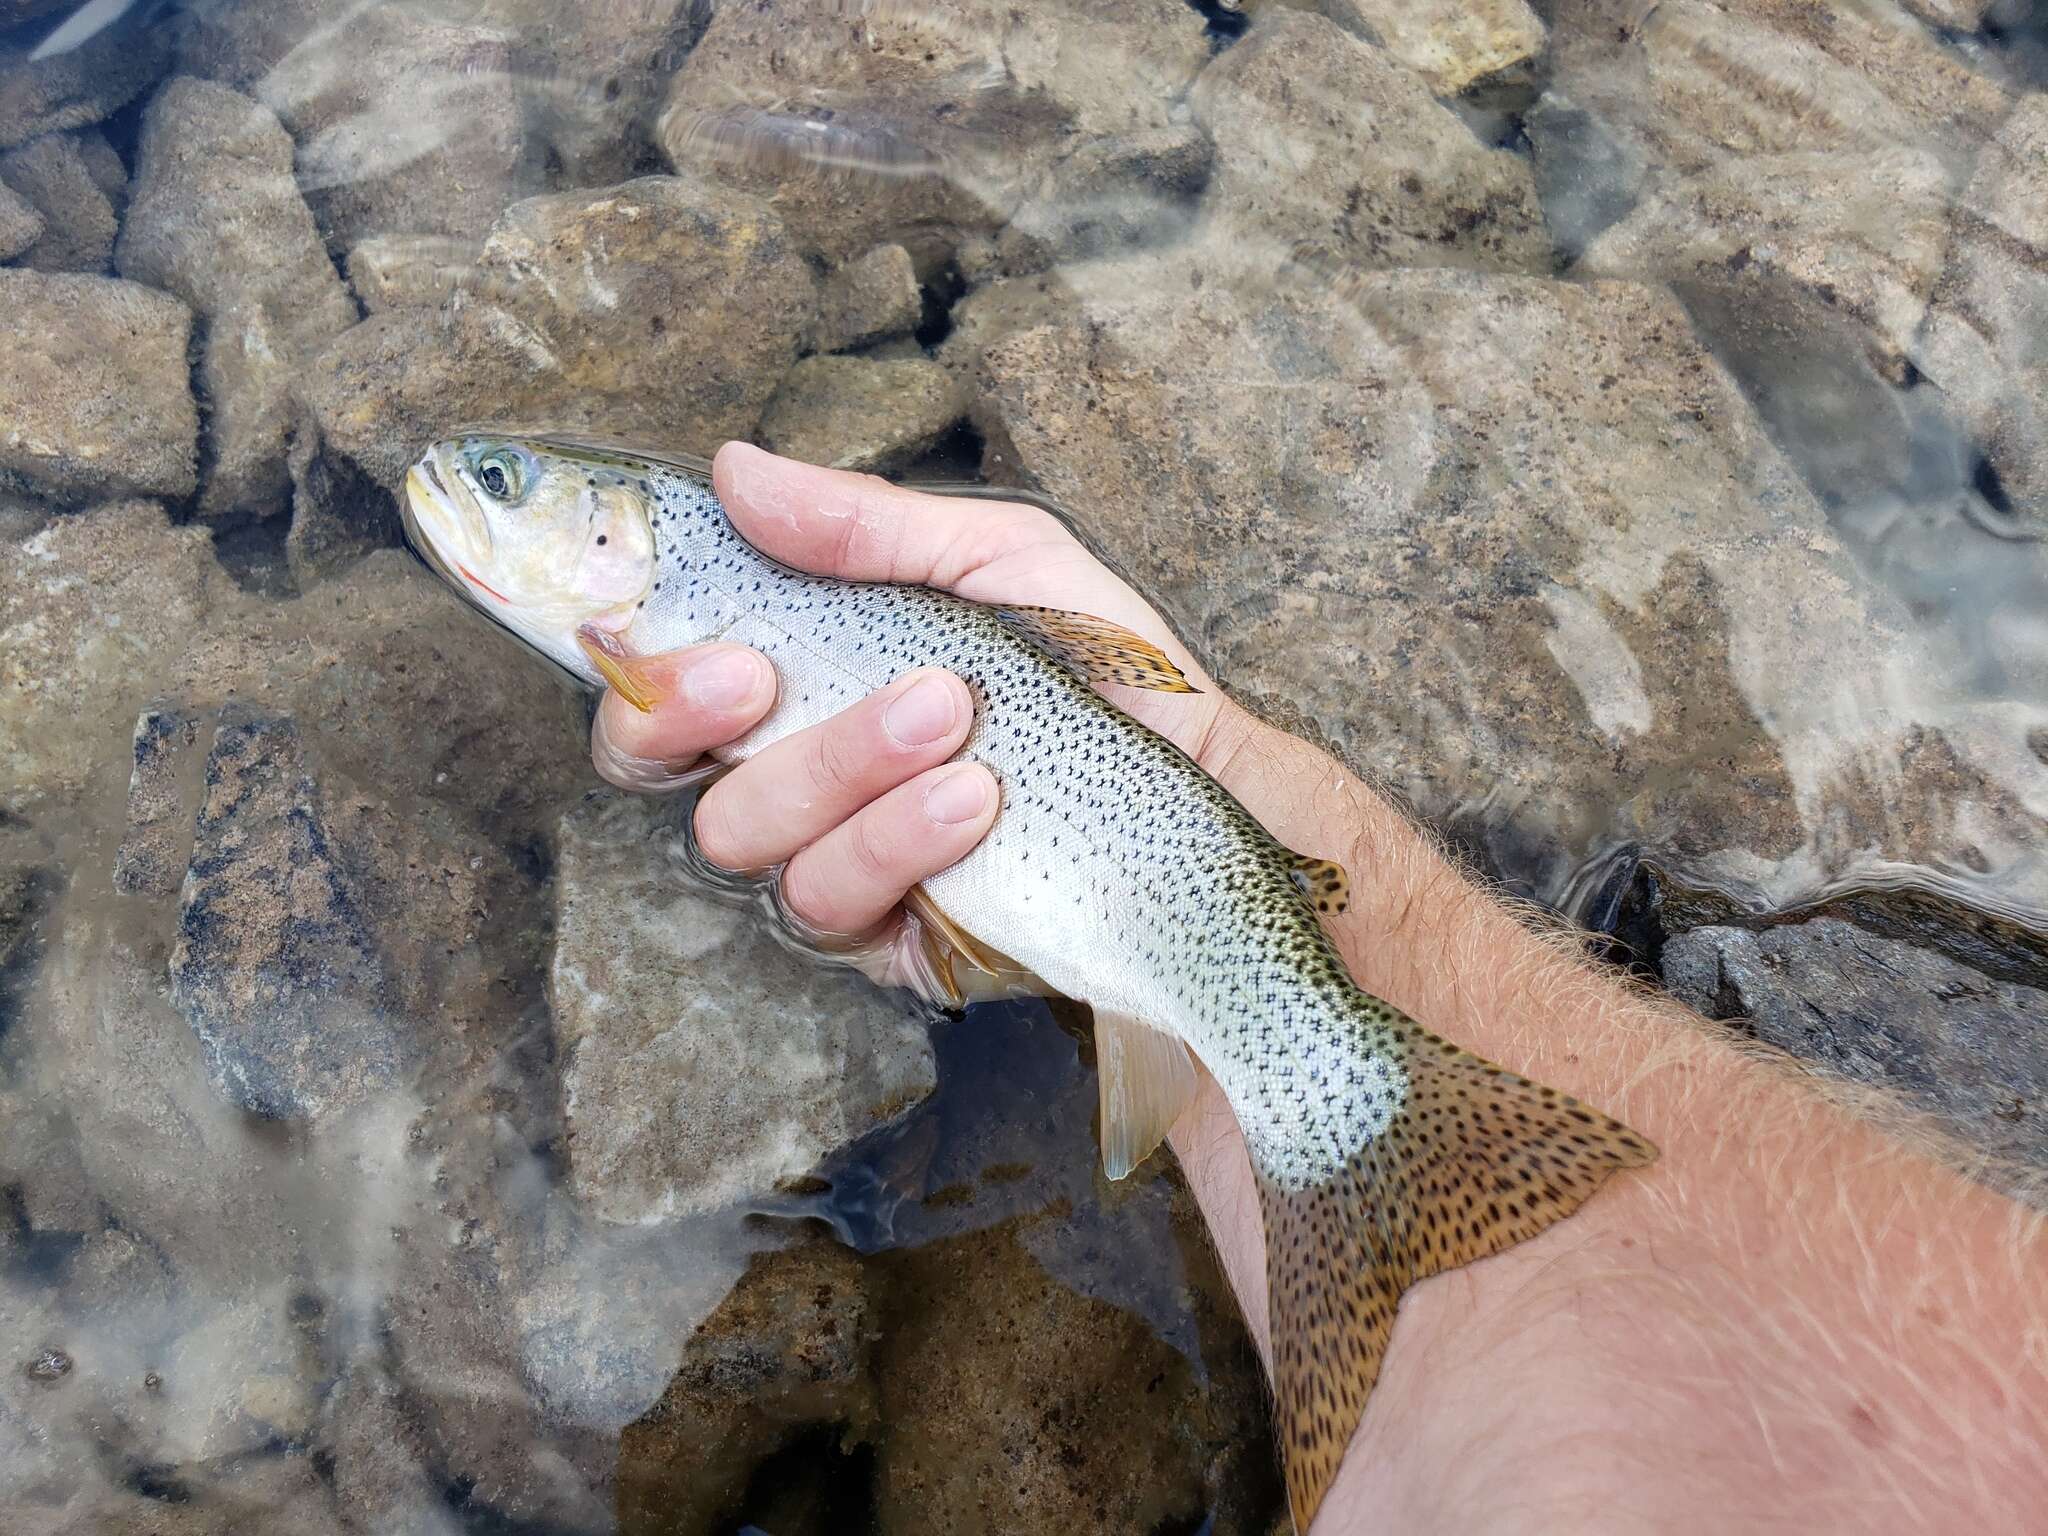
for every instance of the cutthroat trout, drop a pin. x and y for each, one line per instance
(1117, 871)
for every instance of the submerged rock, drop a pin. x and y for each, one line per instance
(75, 182)
(409, 271)
(20, 225)
(788, 1351)
(96, 398)
(82, 86)
(870, 298)
(277, 968)
(153, 853)
(80, 601)
(405, 123)
(1502, 495)
(217, 219)
(1957, 1043)
(1011, 1403)
(1985, 343)
(702, 1062)
(1324, 143)
(861, 413)
(890, 123)
(662, 309)
(1450, 43)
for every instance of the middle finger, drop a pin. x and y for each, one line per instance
(795, 791)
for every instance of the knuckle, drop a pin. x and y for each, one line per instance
(872, 852)
(716, 832)
(805, 896)
(840, 763)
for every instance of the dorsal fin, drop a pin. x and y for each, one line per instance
(1474, 1159)
(1095, 650)
(1323, 882)
(1145, 1079)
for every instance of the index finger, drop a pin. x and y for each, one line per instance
(860, 528)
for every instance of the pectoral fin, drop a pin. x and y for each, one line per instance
(622, 670)
(950, 949)
(1146, 1079)
(1096, 650)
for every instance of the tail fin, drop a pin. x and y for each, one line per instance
(1476, 1160)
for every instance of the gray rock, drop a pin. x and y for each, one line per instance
(277, 967)
(96, 398)
(1451, 43)
(886, 124)
(217, 219)
(663, 309)
(20, 225)
(64, 175)
(153, 853)
(702, 1062)
(1962, 1046)
(1419, 514)
(1325, 144)
(83, 86)
(868, 299)
(1985, 342)
(406, 123)
(409, 271)
(859, 413)
(1118, 191)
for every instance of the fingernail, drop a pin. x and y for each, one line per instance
(959, 796)
(923, 713)
(725, 679)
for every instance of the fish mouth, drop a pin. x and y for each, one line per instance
(433, 527)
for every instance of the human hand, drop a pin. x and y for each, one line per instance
(860, 809)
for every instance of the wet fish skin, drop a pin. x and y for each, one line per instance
(1118, 871)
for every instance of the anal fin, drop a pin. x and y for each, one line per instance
(1145, 1080)
(1474, 1160)
(1096, 650)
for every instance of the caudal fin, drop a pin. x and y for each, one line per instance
(1475, 1160)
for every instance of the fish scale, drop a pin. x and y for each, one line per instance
(1117, 871)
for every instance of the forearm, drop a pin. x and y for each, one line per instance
(1792, 1319)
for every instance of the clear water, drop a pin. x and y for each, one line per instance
(1620, 427)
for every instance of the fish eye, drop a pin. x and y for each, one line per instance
(502, 474)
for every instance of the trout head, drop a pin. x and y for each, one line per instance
(558, 550)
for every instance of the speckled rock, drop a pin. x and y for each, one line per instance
(409, 271)
(1450, 43)
(277, 967)
(80, 600)
(1324, 142)
(1010, 1403)
(75, 182)
(217, 219)
(664, 309)
(154, 849)
(1959, 1044)
(868, 299)
(702, 1062)
(861, 413)
(1586, 176)
(892, 124)
(788, 1351)
(96, 398)
(84, 85)
(1690, 83)
(406, 123)
(1863, 233)
(20, 225)
(1503, 495)
(1985, 343)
